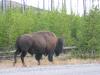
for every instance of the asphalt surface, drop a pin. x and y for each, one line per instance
(80, 69)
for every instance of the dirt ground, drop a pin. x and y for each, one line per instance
(30, 62)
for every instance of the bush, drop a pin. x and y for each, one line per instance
(82, 32)
(89, 40)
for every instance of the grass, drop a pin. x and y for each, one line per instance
(61, 60)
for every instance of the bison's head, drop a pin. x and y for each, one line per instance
(59, 46)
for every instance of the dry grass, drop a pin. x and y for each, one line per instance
(57, 61)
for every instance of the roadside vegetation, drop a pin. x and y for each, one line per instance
(80, 31)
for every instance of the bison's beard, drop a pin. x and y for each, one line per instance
(59, 46)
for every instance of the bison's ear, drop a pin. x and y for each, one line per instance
(59, 46)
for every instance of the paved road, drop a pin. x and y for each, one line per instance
(81, 69)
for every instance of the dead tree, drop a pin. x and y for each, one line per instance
(23, 6)
(64, 6)
(84, 7)
(52, 5)
(4, 5)
(58, 5)
(77, 6)
(44, 4)
(71, 10)
(92, 3)
(10, 4)
(98, 3)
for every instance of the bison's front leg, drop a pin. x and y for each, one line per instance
(38, 56)
(50, 56)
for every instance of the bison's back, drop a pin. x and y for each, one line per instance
(24, 42)
(45, 40)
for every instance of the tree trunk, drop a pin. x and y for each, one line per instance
(84, 7)
(10, 4)
(2, 5)
(38, 4)
(92, 3)
(58, 5)
(52, 5)
(44, 4)
(77, 6)
(48, 5)
(64, 6)
(5, 5)
(24, 5)
(71, 6)
(98, 3)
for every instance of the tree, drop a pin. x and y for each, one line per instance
(48, 5)
(58, 4)
(64, 6)
(90, 29)
(10, 3)
(71, 6)
(2, 5)
(92, 3)
(24, 5)
(5, 5)
(98, 3)
(38, 4)
(77, 6)
(44, 4)
(52, 5)
(84, 7)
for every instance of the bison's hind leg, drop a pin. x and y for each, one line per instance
(18, 51)
(38, 56)
(23, 54)
(31, 52)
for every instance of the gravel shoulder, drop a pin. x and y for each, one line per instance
(30, 62)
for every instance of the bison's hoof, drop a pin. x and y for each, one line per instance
(24, 65)
(38, 63)
(13, 64)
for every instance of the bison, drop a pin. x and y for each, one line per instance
(38, 43)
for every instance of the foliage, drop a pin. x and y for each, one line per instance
(82, 32)
(89, 37)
